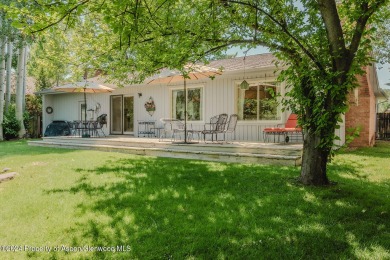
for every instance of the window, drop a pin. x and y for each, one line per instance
(82, 112)
(258, 102)
(194, 104)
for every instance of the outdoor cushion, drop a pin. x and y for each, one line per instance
(291, 128)
(291, 125)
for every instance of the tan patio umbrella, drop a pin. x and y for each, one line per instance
(83, 87)
(189, 72)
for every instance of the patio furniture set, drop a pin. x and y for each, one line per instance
(220, 124)
(89, 128)
(174, 129)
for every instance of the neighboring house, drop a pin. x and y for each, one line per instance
(255, 106)
(29, 83)
(363, 108)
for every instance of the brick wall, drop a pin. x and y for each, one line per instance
(362, 111)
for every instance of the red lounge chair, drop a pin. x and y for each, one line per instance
(290, 129)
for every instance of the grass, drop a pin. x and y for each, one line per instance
(161, 208)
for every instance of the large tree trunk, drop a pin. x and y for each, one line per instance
(19, 90)
(314, 160)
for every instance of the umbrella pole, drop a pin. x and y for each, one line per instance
(85, 107)
(185, 111)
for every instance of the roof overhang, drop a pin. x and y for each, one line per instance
(48, 92)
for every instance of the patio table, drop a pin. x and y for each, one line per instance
(85, 129)
(146, 127)
(156, 131)
(192, 133)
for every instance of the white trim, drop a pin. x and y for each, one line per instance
(265, 79)
(189, 86)
(123, 117)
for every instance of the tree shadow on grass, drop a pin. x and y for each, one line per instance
(167, 208)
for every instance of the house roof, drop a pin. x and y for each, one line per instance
(258, 61)
(249, 62)
(228, 65)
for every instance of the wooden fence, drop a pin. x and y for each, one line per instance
(34, 126)
(383, 125)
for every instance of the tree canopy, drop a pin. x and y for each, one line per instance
(325, 43)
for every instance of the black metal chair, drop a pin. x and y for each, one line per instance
(216, 126)
(77, 127)
(230, 126)
(99, 123)
(74, 127)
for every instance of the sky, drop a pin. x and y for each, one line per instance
(383, 70)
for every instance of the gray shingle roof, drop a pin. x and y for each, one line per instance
(252, 61)
(232, 64)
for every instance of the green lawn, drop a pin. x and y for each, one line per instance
(159, 208)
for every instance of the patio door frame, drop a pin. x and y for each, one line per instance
(81, 108)
(121, 117)
(124, 116)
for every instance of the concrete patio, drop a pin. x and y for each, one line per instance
(237, 152)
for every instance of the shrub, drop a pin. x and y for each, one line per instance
(32, 115)
(11, 125)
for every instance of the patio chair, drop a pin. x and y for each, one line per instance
(77, 127)
(230, 126)
(172, 128)
(74, 127)
(102, 119)
(178, 130)
(99, 123)
(290, 129)
(216, 126)
(93, 128)
(166, 128)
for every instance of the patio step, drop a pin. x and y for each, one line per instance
(238, 147)
(232, 152)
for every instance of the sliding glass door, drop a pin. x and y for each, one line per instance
(128, 115)
(122, 114)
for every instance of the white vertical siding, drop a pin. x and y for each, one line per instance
(219, 96)
(47, 101)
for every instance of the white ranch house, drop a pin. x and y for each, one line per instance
(125, 106)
